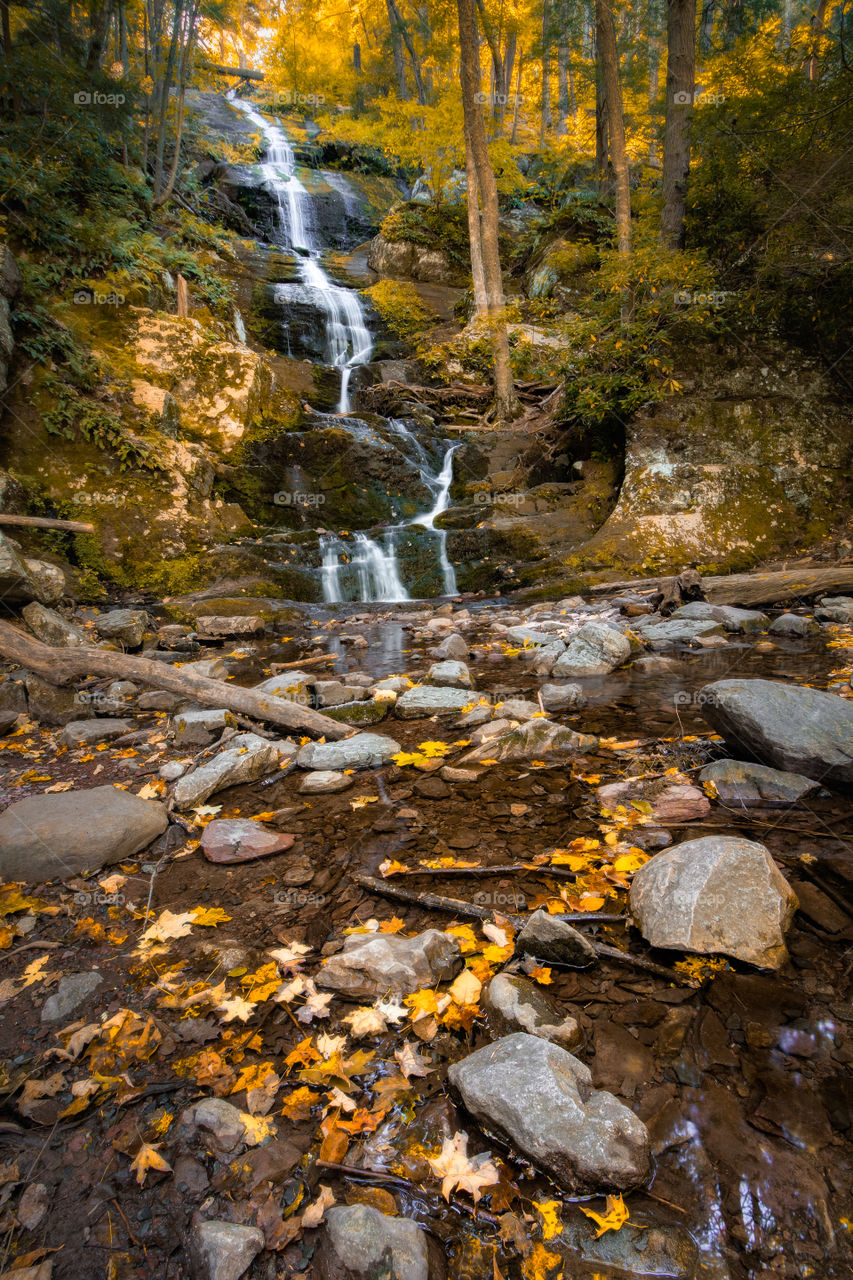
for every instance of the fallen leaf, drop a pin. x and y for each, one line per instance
(456, 1170)
(614, 1217)
(313, 1215)
(148, 1157)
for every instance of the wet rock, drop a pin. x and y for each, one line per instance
(241, 840)
(512, 1003)
(51, 628)
(789, 727)
(225, 628)
(449, 774)
(391, 684)
(540, 1099)
(519, 709)
(64, 833)
(223, 1250)
(159, 700)
(665, 635)
(128, 626)
(524, 636)
(362, 714)
(835, 609)
(737, 782)
(202, 726)
(452, 647)
(48, 580)
(333, 693)
(562, 697)
(653, 664)
(641, 1251)
(217, 1117)
(793, 624)
(720, 896)
(13, 702)
(363, 751)
(86, 733)
(429, 700)
(548, 937)
(452, 675)
(672, 799)
(325, 782)
(122, 691)
(491, 729)
(69, 995)
(748, 621)
(247, 758)
(209, 669)
(545, 658)
(53, 704)
(595, 650)
(536, 740)
(17, 586)
(360, 1243)
(371, 964)
(171, 770)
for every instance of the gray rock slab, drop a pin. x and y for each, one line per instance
(371, 964)
(362, 751)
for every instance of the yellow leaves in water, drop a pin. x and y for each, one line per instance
(426, 752)
(541, 975)
(614, 1217)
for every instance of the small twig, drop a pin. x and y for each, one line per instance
(613, 953)
(437, 902)
(31, 946)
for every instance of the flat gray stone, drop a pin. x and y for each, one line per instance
(225, 628)
(719, 896)
(520, 709)
(362, 751)
(545, 658)
(548, 937)
(69, 995)
(738, 782)
(291, 686)
(835, 609)
(247, 758)
(125, 625)
(209, 668)
(428, 700)
(158, 700)
(334, 693)
(513, 1003)
(595, 650)
(221, 1119)
(86, 733)
(793, 624)
(665, 635)
(223, 1250)
(540, 1099)
(523, 636)
(792, 728)
(562, 697)
(373, 963)
(451, 675)
(325, 782)
(51, 628)
(360, 1243)
(748, 621)
(61, 834)
(536, 740)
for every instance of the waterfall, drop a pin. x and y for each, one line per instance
(239, 327)
(441, 483)
(348, 340)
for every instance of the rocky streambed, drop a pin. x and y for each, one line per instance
(564, 918)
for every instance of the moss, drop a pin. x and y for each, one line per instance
(401, 307)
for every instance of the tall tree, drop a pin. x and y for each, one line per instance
(486, 195)
(609, 66)
(680, 86)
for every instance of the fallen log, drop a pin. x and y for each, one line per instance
(43, 522)
(753, 590)
(245, 73)
(61, 666)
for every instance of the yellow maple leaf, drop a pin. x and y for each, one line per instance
(541, 975)
(210, 916)
(394, 925)
(148, 1157)
(614, 1217)
(549, 1211)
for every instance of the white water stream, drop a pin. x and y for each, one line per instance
(363, 566)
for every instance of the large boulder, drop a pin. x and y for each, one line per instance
(51, 628)
(737, 782)
(789, 727)
(127, 626)
(428, 700)
(540, 1099)
(360, 1243)
(720, 895)
(54, 836)
(371, 964)
(595, 650)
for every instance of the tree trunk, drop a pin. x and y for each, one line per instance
(6, 29)
(506, 405)
(397, 53)
(99, 18)
(500, 89)
(165, 86)
(410, 49)
(562, 79)
(615, 122)
(545, 121)
(516, 106)
(509, 63)
(680, 84)
(475, 231)
(61, 666)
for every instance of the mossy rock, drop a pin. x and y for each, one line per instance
(360, 714)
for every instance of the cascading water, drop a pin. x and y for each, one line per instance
(362, 568)
(348, 340)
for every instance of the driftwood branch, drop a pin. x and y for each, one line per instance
(61, 666)
(43, 522)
